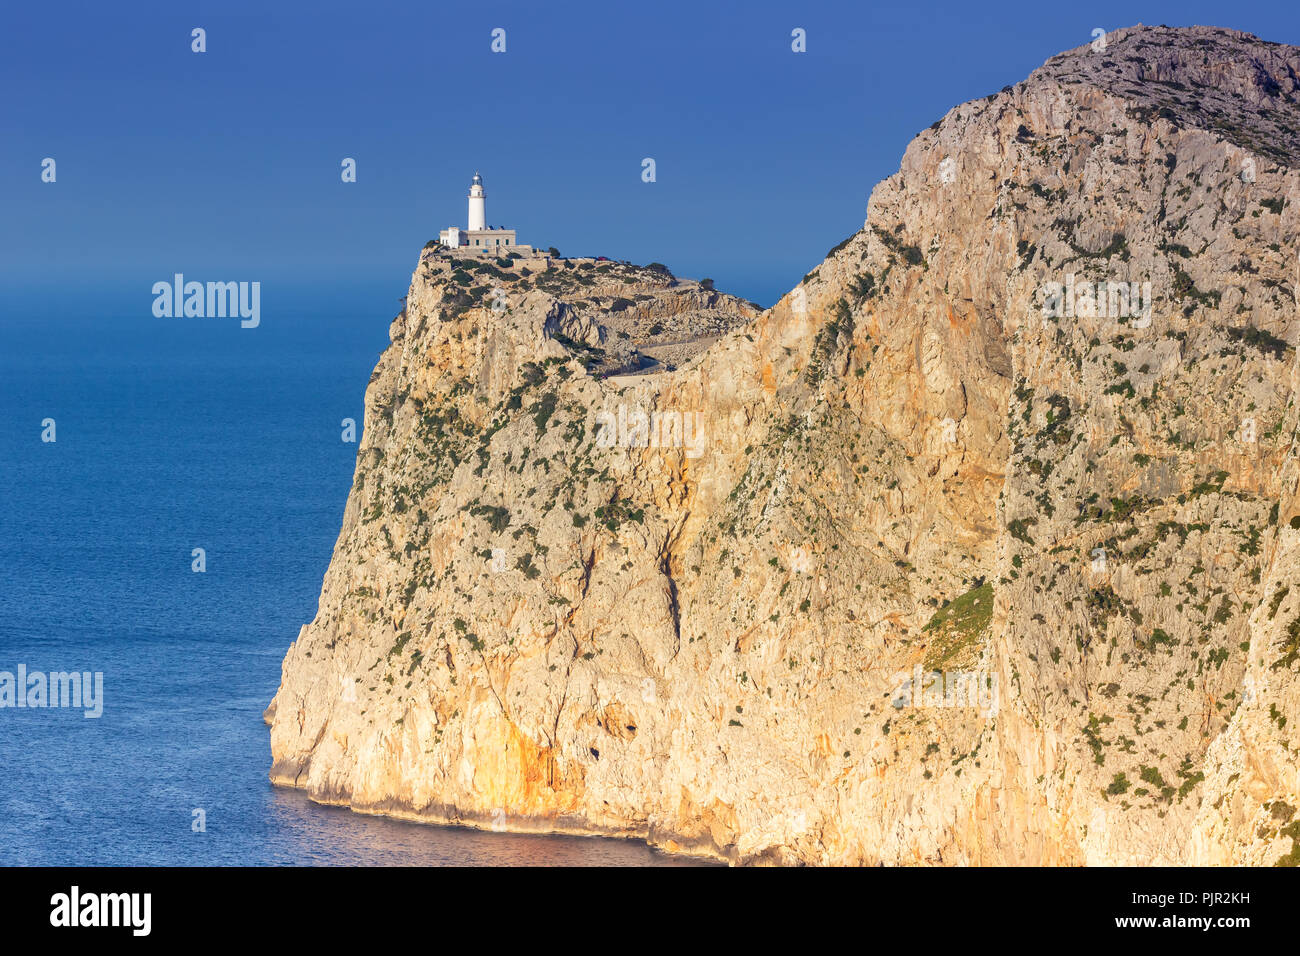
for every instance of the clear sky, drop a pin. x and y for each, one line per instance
(226, 164)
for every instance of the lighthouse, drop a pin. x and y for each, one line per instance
(478, 237)
(477, 205)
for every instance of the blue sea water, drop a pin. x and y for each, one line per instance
(171, 435)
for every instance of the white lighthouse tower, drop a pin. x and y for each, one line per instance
(477, 205)
(478, 237)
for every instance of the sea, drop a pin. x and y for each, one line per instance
(171, 435)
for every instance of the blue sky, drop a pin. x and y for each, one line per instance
(225, 165)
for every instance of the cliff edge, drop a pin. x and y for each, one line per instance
(1032, 430)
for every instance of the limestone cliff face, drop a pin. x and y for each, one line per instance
(942, 452)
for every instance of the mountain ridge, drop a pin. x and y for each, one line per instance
(536, 621)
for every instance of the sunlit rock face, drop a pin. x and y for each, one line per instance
(980, 546)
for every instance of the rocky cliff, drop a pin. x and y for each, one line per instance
(980, 546)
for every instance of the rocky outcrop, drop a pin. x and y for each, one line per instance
(1031, 429)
